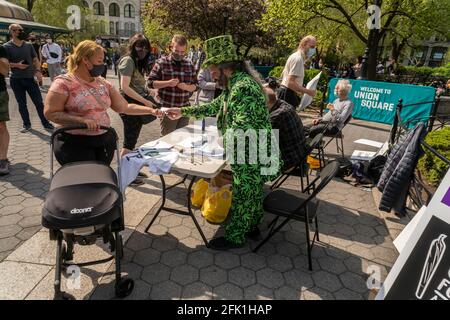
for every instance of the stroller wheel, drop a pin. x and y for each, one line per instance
(124, 287)
(63, 296)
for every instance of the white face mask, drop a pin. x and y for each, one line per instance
(311, 52)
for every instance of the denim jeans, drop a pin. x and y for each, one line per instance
(20, 88)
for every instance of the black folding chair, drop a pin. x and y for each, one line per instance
(290, 204)
(299, 170)
(339, 137)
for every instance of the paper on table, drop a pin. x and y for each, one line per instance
(157, 144)
(368, 142)
(307, 100)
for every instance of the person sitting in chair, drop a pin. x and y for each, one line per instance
(291, 134)
(340, 111)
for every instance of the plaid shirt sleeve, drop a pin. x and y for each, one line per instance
(291, 134)
(155, 74)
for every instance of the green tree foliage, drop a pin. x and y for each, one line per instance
(54, 13)
(204, 19)
(344, 22)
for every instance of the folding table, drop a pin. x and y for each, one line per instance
(196, 166)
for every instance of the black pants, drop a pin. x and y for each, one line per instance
(20, 88)
(289, 96)
(132, 125)
(314, 130)
(72, 148)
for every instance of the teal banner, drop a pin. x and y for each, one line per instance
(377, 101)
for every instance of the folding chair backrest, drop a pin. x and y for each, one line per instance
(326, 175)
(314, 142)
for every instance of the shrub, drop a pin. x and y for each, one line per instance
(433, 168)
(276, 72)
(425, 71)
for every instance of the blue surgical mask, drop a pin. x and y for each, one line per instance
(97, 70)
(311, 52)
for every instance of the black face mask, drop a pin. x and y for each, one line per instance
(22, 35)
(97, 70)
(141, 54)
(177, 57)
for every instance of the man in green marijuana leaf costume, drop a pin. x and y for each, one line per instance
(242, 105)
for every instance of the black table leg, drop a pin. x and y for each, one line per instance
(188, 213)
(192, 214)
(164, 190)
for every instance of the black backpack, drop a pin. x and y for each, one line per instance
(375, 168)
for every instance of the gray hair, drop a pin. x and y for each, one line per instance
(345, 85)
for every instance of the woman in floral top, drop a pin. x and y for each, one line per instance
(84, 97)
(242, 105)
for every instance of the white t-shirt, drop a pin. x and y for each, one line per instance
(295, 66)
(55, 48)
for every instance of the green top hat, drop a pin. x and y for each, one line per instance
(219, 50)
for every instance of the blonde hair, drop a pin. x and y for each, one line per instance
(305, 40)
(86, 48)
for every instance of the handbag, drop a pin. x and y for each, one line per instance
(54, 55)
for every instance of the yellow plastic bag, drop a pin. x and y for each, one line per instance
(199, 193)
(314, 163)
(217, 204)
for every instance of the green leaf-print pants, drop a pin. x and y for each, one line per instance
(247, 197)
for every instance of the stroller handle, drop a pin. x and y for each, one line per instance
(80, 127)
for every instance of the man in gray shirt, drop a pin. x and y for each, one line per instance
(340, 112)
(25, 66)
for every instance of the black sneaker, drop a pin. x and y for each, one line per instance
(143, 175)
(137, 182)
(222, 244)
(25, 129)
(4, 167)
(49, 127)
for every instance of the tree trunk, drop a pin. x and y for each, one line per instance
(372, 44)
(30, 4)
(247, 51)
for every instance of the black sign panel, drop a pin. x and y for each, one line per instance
(426, 273)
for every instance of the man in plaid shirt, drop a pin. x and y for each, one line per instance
(175, 78)
(292, 139)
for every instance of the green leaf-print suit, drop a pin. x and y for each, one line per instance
(246, 110)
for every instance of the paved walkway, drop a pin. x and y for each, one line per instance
(171, 262)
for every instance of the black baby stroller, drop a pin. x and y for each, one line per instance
(84, 203)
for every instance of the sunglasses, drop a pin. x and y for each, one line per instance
(14, 30)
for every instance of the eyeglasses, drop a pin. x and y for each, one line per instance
(14, 30)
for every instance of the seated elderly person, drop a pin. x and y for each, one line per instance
(292, 140)
(340, 110)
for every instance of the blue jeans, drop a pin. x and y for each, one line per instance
(20, 88)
